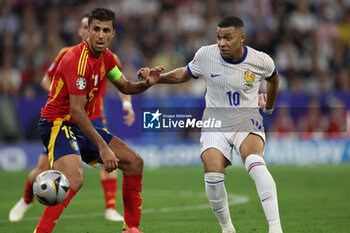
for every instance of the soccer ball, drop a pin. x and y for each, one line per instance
(51, 187)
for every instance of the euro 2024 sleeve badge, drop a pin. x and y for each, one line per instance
(81, 83)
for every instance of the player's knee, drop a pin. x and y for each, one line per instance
(138, 163)
(134, 166)
(76, 182)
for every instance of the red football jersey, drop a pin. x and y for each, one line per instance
(78, 73)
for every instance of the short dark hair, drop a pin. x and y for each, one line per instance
(102, 14)
(231, 21)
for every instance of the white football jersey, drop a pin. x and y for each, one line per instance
(231, 87)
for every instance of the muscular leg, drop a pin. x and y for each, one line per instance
(71, 166)
(252, 149)
(214, 169)
(129, 162)
(131, 165)
(17, 212)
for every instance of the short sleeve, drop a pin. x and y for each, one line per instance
(195, 67)
(119, 64)
(269, 67)
(111, 60)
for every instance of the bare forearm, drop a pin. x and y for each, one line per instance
(272, 92)
(178, 75)
(85, 125)
(131, 88)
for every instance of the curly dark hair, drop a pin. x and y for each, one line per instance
(102, 14)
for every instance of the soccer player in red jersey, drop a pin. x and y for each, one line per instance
(66, 128)
(109, 181)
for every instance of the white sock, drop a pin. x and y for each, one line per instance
(217, 196)
(266, 188)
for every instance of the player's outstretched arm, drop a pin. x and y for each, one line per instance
(129, 87)
(77, 111)
(178, 75)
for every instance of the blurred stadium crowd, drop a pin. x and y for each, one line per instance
(309, 41)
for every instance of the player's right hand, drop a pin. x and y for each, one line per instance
(109, 159)
(153, 75)
(129, 118)
(143, 73)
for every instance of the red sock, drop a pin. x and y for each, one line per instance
(110, 192)
(132, 187)
(28, 192)
(51, 214)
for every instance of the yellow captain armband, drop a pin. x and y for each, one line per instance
(114, 74)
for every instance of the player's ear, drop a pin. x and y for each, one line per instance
(242, 37)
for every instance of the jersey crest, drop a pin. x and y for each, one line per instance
(249, 77)
(81, 83)
(74, 145)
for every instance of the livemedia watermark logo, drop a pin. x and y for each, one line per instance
(176, 119)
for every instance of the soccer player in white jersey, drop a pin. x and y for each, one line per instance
(232, 72)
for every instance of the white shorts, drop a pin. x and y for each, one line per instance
(226, 141)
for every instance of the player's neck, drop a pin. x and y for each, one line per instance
(238, 55)
(94, 53)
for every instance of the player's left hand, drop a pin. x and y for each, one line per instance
(262, 101)
(154, 74)
(129, 118)
(262, 104)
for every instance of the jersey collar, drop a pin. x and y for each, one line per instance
(239, 61)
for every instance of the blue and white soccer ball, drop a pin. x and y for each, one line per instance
(51, 187)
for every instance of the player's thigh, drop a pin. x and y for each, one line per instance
(129, 161)
(252, 144)
(71, 166)
(59, 138)
(214, 161)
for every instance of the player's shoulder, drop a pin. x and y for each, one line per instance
(108, 52)
(261, 61)
(116, 58)
(256, 54)
(109, 55)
